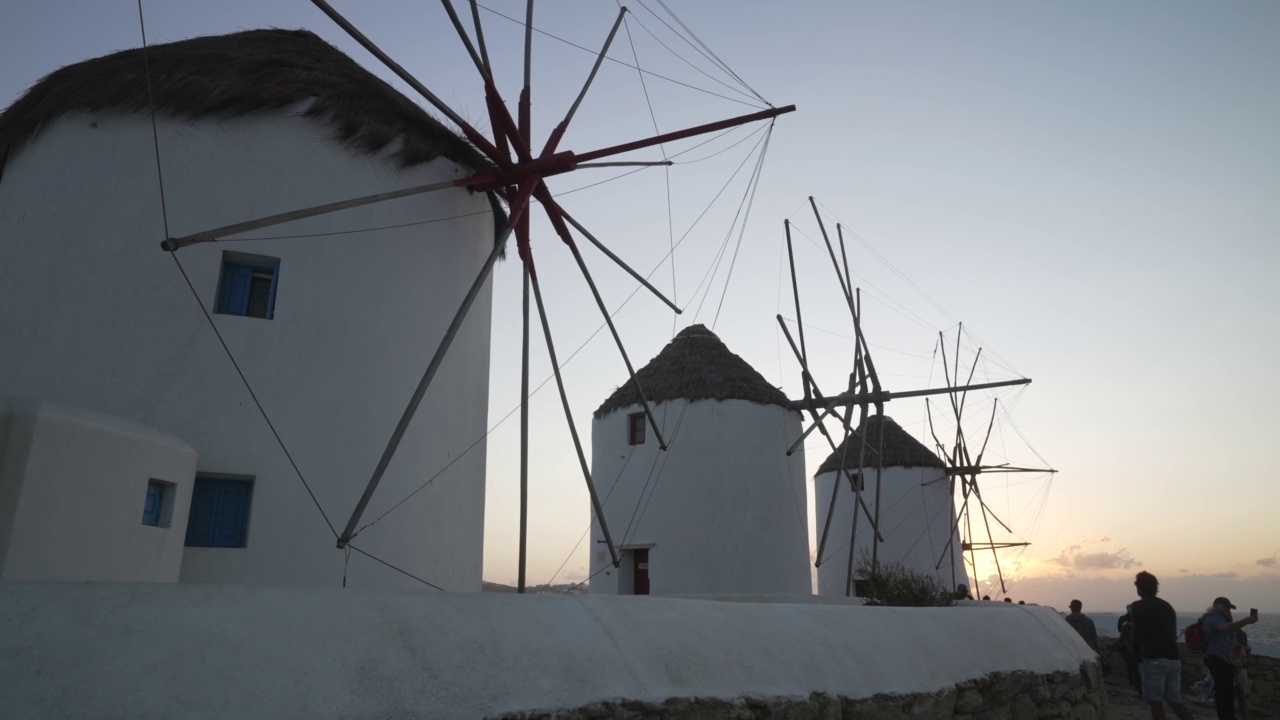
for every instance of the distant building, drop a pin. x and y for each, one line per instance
(917, 512)
(332, 323)
(723, 509)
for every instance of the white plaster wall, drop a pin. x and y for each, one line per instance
(74, 484)
(99, 317)
(722, 510)
(138, 651)
(917, 514)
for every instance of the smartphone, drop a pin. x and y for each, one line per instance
(1253, 612)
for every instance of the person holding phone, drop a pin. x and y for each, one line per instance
(1219, 632)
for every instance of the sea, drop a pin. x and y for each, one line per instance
(1264, 635)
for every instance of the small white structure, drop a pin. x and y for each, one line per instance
(722, 510)
(917, 509)
(86, 496)
(331, 321)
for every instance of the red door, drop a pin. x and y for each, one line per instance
(640, 580)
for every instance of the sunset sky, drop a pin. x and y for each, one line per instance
(1091, 188)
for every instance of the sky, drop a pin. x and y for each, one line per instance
(1088, 187)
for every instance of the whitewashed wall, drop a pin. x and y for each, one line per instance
(99, 317)
(917, 515)
(724, 508)
(201, 651)
(73, 485)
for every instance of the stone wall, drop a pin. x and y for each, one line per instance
(1264, 677)
(998, 696)
(1264, 674)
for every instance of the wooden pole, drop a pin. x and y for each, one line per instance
(846, 420)
(171, 244)
(548, 201)
(795, 292)
(466, 39)
(563, 231)
(524, 436)
(568, 414)
(472, 134)
(553, 141)
(486, 68)
(421, 390)
(846, 399)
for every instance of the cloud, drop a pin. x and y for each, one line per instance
(1104, 560)
(1079, 557)
(573, 575)
(1269, 562)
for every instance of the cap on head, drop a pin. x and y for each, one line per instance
(1223, 602)
(1076, 605)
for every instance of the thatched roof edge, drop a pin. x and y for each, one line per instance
(695, 365)
(237, 74)
(899, 449)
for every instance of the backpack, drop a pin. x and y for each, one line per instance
(1193, 636)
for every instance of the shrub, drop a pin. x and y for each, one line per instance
(893, 584)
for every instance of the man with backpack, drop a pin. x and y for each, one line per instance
(1155, 632)
(1219, 630)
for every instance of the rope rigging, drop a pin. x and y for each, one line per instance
(572, 44)
(164, 214)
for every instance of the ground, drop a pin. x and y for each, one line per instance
(1124, 704)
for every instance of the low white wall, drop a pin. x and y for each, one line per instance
(141, 651)
(73, 485)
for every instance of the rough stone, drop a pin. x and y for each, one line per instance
(1023, 707)
(1039, 691)
(969, 702)
(999, 696)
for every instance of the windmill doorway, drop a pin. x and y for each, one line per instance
(633, 574)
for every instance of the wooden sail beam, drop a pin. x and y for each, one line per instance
(983, 469)
(873, 397)
(970, 546)
(846, 420)
(473, 135)
(441, 350)
(516, 174)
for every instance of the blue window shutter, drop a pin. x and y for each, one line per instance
(200, 522)
(233, 296)
(155, 501)
(271, 303)
(232, 514)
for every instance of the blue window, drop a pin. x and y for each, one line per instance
(219, 512)
(153, 511)
(248, 285)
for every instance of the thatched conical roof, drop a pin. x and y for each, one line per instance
(899, 449)
(237, 74)
(695, 365)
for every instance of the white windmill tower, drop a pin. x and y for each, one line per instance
(915, 503)
(286, 323)
(721, 511)
(861, 461)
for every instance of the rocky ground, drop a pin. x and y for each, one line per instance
(1124, 704)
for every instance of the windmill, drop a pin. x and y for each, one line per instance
(519, 175)
(964, 467)
(864, 390)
